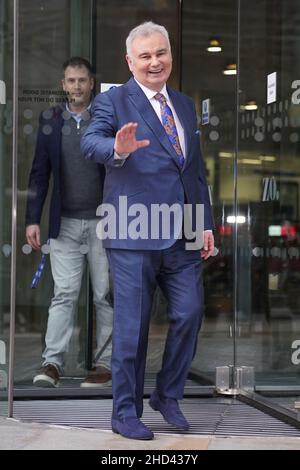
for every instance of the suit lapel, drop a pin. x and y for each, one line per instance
(141, 102)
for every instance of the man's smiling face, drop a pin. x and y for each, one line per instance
(150, 60)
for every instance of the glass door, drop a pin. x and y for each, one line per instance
(208, 75)
(268, 198)
(50, 33)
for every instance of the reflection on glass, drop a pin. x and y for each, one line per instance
(202, 79)
(270, 317)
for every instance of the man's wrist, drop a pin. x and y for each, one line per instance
(120, 156)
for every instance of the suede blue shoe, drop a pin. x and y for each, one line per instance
(170, 410)
(132, 428)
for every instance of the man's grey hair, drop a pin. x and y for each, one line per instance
(145, 29)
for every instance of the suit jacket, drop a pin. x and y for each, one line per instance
(151, 175)
(47, 160)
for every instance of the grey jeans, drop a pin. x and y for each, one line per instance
(77, 243)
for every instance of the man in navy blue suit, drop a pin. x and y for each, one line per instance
(77, 192)
(145, 133)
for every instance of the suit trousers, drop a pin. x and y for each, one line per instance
(136, 274)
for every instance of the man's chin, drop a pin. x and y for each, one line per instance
(76, 101)
(156, 82)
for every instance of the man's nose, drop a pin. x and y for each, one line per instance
(154, 61)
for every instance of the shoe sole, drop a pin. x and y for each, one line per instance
(90, 385)
(183, 428)
(44, 381)
(134, 438)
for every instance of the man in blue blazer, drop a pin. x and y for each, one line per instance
(146, 135)
(76, 194)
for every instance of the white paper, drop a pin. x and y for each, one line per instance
(205, 111)
(108, 86)
(272, 88)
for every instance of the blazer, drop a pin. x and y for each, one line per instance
(47, 161)
(151, 175)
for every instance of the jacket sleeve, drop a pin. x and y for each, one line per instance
(98, 141)
(38, 179)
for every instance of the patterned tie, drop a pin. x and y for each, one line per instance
(170, 126)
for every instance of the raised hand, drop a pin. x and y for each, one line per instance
(126, 139)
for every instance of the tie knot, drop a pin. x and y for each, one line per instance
(161, 98)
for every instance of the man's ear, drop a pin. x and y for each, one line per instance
(129, 62)
(63, 84)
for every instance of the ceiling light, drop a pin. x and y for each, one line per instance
(267, 158)
(226, 154)
(251, 106)
(250, 161)
(214, 46)
(239, 219)
(230, 69)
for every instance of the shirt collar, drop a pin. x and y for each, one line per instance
(150, 93)
(73, 113)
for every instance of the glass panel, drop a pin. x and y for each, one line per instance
(203, 78)
(268, 194)
(50, 32)
(6, 93)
